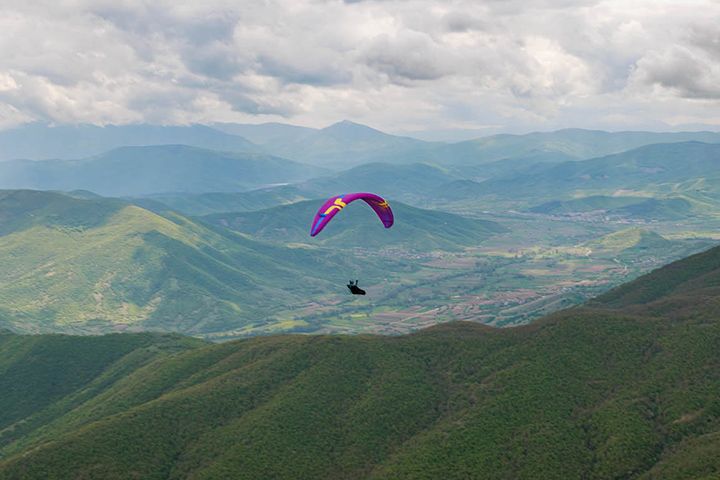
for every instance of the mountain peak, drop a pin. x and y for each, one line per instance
(352, 130)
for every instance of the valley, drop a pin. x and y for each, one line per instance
(360, 240)
(215, 244)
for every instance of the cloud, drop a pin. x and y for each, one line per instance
(683, 72)
(396, 64)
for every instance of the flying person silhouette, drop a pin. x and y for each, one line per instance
(354, 289)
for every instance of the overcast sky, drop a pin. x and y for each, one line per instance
(397, 65)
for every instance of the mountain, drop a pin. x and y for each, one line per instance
(557, 146)
(44, 377)
(266, 133)
(414, 228)
(93, 266)
(457, 190)
(687, 289)
(592, 203)
(37, 141)
(415, 183)
(636, 239)
(220, 202)
(660, 209)
(411, 182)
(596, 392)
(653, 168)
(130, 171)
(339, 146)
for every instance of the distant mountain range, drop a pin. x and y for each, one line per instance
(560, 145)
(662, 209)
(339, 146)
(38, 141)
(652, 169)
(347, 144)
(128, 171)
(623, 388)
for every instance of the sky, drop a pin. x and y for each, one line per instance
(397, 65)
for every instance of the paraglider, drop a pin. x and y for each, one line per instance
(335, 204)
(354, 289)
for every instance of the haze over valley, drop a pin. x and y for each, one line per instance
(215, 243)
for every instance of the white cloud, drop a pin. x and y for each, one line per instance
(395, 64)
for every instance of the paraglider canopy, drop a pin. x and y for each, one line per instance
(335, 204)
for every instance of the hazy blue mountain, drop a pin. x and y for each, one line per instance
(561, 145)
(458, 190)
(407, 182)
(129, 171)
(631, 207)
(341, 145)
(585, 204)
(358, 226)
(37, 141)
(266, 133)
(652, 168)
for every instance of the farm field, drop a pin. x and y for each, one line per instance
(541, 265)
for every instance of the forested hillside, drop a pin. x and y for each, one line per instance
(586, 393)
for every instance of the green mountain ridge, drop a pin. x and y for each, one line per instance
(87, 266)
(592, 392)
(221, 202)
(658, 169)
(652, 209)
(415, 228)
(623, 241)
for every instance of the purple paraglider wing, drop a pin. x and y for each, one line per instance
(334, 204)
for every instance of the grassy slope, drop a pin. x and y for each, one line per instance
(586, 393)
(100, 264)
(630, 239)
(219, 202)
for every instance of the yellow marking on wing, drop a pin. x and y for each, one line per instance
(338, 205)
